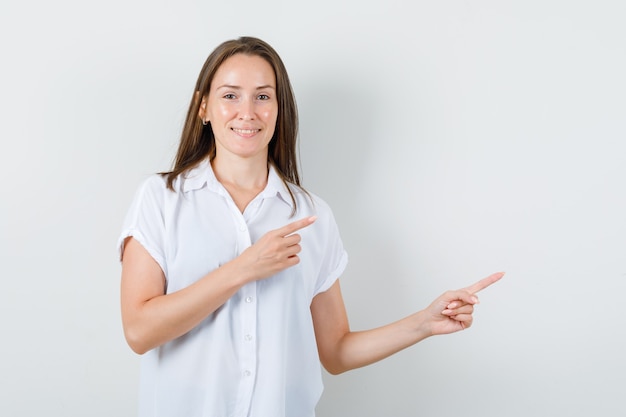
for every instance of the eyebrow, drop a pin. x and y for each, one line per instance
(236, 87)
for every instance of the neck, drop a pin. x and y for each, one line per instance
(243, 173)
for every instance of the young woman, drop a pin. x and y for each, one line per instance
(230, 268)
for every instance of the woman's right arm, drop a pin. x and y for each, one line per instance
(151, 318)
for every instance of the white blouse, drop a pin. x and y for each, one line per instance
(256, 356)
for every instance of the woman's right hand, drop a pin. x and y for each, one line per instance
(275, 251)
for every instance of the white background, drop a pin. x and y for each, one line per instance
(452, 138)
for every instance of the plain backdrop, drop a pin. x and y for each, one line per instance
(452, 138)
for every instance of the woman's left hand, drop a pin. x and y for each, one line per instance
(453, 310)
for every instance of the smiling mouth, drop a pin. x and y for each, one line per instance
(246, 132)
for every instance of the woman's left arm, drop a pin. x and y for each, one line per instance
(341, 350)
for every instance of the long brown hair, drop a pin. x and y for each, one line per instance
(197, 140)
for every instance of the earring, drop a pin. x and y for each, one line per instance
(204, 122)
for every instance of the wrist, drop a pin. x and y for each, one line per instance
(240, 271)
(421, 327)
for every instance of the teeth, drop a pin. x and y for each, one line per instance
(246, 131)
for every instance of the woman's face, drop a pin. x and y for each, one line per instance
(242, 106)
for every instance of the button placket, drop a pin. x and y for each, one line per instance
(248, 310)
(248, 341)
(248, 325)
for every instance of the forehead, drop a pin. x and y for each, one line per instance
(243, 71)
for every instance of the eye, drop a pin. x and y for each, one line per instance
(229, 96)
(263, 97)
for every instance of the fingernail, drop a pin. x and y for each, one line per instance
(312, 218)
(475, 300)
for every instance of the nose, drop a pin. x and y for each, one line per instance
(246, 109)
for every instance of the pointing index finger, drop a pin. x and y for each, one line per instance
(295, 226)
(484, 283)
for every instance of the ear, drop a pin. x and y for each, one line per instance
(202, 107)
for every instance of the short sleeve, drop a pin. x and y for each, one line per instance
(144, 220)
(335, 258)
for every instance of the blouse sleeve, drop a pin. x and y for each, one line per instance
(144, 220)
(335, 258)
